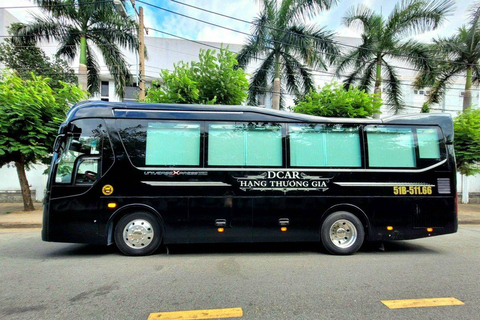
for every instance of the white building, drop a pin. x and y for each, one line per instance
(163, 53)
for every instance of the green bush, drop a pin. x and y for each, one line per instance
(333, 100)
(214, 79)
(467, 142)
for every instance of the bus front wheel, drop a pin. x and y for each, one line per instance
(342, 233)
(138, 234)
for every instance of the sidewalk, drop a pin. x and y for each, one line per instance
(12, 216)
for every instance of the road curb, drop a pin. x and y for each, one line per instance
(13, 225)
(467, 222)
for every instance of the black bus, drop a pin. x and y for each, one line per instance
(139, 175)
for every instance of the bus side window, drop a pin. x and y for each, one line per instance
(390, 147)
(428, 143)
(87, 172)
(320, 145)
(245, 144)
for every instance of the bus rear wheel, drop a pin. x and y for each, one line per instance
(138, 234)
(342, 233)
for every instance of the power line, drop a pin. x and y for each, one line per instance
(57, 5)
(312, 71)
(276, 29)
(251, 35)
(227, 28)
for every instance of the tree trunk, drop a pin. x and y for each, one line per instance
(276, 94)
(378, 85)
(467, 97)
(82, 68)
(22, 177)
(465, 195)
(276, 85)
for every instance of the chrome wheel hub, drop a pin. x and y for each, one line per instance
(343, 233)
(138, 234)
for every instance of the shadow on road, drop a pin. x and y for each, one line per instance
(397, 247)
(82, 250)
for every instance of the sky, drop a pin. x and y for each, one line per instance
(174, 25)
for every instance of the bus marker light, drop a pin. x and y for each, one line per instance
(283, 229)
(112, 205)
(429, 229)
(220, 230)
(389, 228)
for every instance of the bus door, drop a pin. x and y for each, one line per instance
(73, 210)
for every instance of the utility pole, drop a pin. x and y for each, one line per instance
(141, 52)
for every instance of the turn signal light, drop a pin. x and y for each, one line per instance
(112, 205)
(389, 228)
(283, 229)
(220, 230)
(429, 229)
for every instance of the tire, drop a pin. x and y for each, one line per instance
(138, 234)
(342, 233)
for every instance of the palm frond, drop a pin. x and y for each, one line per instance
(259, 81)
(313, 45)
(42, 28)
(298, 79)
(360, 17)
(93, 72)
(58, 8)
(443, 80)
(419, 55)
(295, 11)
(366, 81)
(474, 15)
(351, 78)
(411, 17)
(476, 75)
(393, 89)
(69, 44)
(115, 61)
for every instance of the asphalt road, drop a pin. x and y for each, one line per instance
(42, 280)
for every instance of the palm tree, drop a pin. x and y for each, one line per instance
(79, 26)
(461, 54)
(383, 40)
(287, 48)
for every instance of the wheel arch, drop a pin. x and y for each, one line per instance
(127, 209)
(353, 209)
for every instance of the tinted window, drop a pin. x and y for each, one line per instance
(324, 146)
(391, 147)
(172, 144)
(241, 144)
(428, 143)
(161, 143)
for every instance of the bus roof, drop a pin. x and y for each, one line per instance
(102, 109)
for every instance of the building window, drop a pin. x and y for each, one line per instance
(104, 91)
(131, 93)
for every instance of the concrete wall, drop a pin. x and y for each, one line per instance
(36, 179)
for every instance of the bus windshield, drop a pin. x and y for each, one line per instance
(80, 153)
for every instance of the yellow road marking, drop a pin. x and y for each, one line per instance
(198, 314)
(420, 303)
